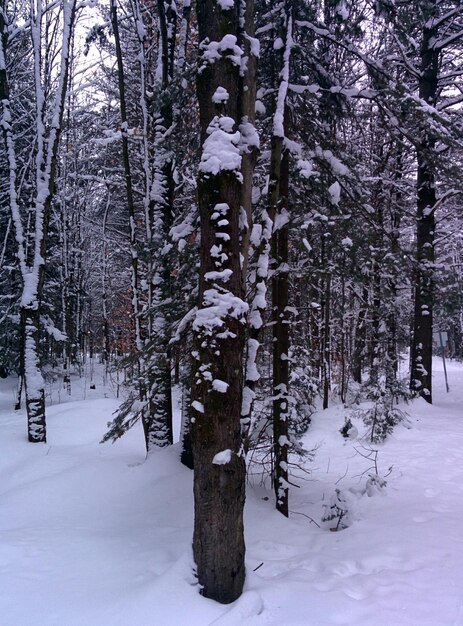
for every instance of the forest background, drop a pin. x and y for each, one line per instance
(257, 201)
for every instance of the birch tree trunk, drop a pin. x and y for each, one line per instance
(48, 121)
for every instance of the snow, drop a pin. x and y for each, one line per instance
(225, 5)
(198, 406)
(307, 245)
(224, 275)
(337, 167)
(220, 151)
(222, 458)
(342, 11)
(211, 51)
(248, 399)
(278, 118)
(219, 385)
(179, 232)
(281, 219)
(220, 95)
(252, 372)
(305, 168)
(335, 192)
(254, 45)
(249, 137)
(217, 305)
(260, 107)
(98, 535)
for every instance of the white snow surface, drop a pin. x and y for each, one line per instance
(97, 535)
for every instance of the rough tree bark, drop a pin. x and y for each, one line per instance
(421, 352)
(219, 325)
(281, 325)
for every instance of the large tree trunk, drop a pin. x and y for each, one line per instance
(421, 352)
(219, 326)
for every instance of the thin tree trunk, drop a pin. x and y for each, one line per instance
(281, 325)
(135, 300)
(343, 342)
(259, 303)
(186, 456)
(392, 336)
(360, 338)
(326, 343)
(104, 294)
(160, 429)
(33, 381)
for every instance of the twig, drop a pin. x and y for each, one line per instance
(343, 476)
(307, 516)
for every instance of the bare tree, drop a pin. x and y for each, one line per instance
(47, 19)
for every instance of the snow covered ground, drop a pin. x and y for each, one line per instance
(95, 535)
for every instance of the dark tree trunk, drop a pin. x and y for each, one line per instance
(421, 352)
(35, 392)
(392, 335)
(186, 455)
(359, 339)
(219, 326)
(281, 325)
(17, 406)
(219, 489)
(315, 329)
(376, 333)
(104, 293)
(326, 340)
(343, 344)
